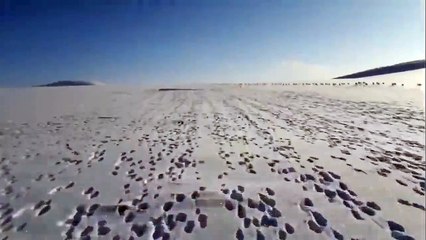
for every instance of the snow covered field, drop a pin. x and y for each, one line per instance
(282, 162)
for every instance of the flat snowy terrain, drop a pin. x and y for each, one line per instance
(105, 162)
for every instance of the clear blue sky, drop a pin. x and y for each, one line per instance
(177, 41)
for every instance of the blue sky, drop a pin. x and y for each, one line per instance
(177, 41)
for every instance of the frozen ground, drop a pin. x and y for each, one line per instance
(298, 162)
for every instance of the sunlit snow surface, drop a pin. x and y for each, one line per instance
(109, 162)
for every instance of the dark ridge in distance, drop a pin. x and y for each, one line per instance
(66, 84)
(401, 67)
(179, 89)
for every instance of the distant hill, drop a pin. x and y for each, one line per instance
(66, 83)
(178, 89)
(401, 67)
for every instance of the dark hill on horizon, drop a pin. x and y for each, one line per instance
(401, 67)
(66, 84)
